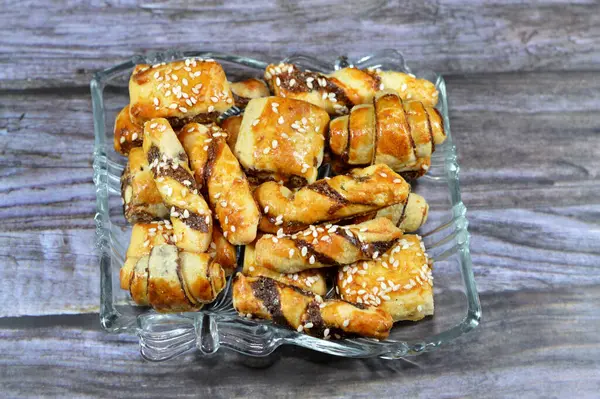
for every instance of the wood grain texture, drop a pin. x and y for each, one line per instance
(62, 43)
(542, 344)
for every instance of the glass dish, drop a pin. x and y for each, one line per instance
(163, 336)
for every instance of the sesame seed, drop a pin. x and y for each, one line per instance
(346, 323)
(326, 333)
(292, 82)
(207, 219)
(408, 96)
(266, 209)
(214, 99)
(224, 204)
(274, 144)
(403, 88)
(375, 254)
(186, 213)
(266, 150)
(312, 259)
(173, 106)
(232, 229)
(155, 101)
(280, 120)
(187, 183)
(278, 81)
(381, 87)
(308, 325)
(122, 140)
(291, 252)
(211, 108)
(304, 251)
(174, 77)
(300, 328)
(420, 308)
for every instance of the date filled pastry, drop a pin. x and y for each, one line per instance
(229, 194)
(302, 311)
(181, 91)
(327, 245)
(399, 134)
(222, 251)
(144, 237)
(142, 202)
(281, 139)
(311, 280)
(248, 89)
(339, 91)
(176, 281)
(190, 216)
(400, 282)
(408, 216)
(232, 126)
(127, 134)
(331, 199)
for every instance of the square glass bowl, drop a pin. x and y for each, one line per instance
(163, 336)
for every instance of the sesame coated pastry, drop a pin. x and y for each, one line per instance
(292, 307)
(399, 134)
(311, 280)
(144, 237)
(248, 89)
(178, 281)
(222, 251)
(181, 91)
(339, 91)
(232, 126)
(142, 202)
(331, 199)
(328, 245)
(128, 134)
(190, 215)
(281, 139)
(228, 190)
(399, 282)
(408, 216)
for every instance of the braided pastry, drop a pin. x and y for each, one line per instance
(181, 91)
(292, 307)
(359, 192)
(190, 216)
(248, 89)
(281, 139)
(144, 237)
(399, 134)
(339, 91)
(229, 194)
(329, 245)
(128, 134)
(399, 282)
(311, 280)
(142, 202)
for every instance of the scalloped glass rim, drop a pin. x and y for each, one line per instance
(166, 336)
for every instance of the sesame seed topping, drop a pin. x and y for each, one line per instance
(291, 252)
(122, 140)
(308, 325)
(278, 81)
(266, 150)
(280, 120)
(274, 144)
(346, 323)
(211, 108)
(224, 204)
(232, 228)
(311, 260)
(300, 328)
(381, 86)
(255, 122)
(304, 251)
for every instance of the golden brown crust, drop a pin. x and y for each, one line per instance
(144, 236)
(223, 251)
(228, 190)
(361, 135)
(409, 216)
(248, 89)
(203, 278)
(232, 126)
(289, 306)
(286, 80)
(282, 139)
(409, 87)
(358, 192)
(309, 280)
(142, 202)
(190, 215)
(181, 91)
(400, 282)
(128, 134)
(338, 136)
(324, 246)
(359, 86)
(138, 285)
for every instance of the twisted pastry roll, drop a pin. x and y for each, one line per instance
(228, 190)
(144, 237)
(308, 280)
(339, 91)
(408, 216)
(359, 192)
(176, 281)
(400, 282)
(142, 202)
(325, 246)
(399, 134)
(292, 307)
(232, 125)
(281, 139)
(127, 134)
(190, 216)
(222, 251)
(181, 91)
(248, 89)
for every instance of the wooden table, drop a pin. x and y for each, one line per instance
(524, 89)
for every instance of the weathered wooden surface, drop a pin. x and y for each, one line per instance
(524, 88)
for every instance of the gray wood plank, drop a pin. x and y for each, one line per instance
(63, 42)
(530, 344)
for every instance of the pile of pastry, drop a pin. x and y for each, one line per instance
(329, 257)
